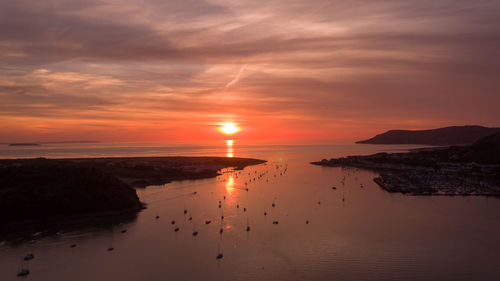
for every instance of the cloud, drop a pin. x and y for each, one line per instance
(232, 82)
(380, 63)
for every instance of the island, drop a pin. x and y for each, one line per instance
(456, 170)
(455, 135)
(24, 144)
(53, 189)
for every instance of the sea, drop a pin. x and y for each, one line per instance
(282, 220)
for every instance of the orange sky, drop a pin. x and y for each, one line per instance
(154, 70)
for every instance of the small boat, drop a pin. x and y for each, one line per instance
(29, 257)
(176, 229)
(110, 249)
(23, 272)
(248, 228)
(72, 246)
(208, 222)
(221, 230)
(219, 256)
(124, 230)
(172, 222)
(195, 233)
(275, 222)
(157, 217)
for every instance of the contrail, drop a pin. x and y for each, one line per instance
(232, 82)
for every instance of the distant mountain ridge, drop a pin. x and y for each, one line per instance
(455, 135)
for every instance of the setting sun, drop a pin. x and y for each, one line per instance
(268, 140)
(229, 128)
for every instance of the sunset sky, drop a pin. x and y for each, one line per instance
(170, 70)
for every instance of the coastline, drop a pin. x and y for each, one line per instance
(23, 230)
(140, 172)
(127, 173)
(467, 170)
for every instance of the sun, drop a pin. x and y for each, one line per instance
(229, 128)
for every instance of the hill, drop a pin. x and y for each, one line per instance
(48, 189)
(456, 135)
(39, 189)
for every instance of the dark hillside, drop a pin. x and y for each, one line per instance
(457, 135)
(37, 191)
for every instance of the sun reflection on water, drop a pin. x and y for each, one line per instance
(230, 185)
(229, 150)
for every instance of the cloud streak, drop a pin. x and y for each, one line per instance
(232, 82)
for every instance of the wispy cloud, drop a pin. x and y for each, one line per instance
(232, 82)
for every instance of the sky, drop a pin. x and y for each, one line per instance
(168, 70)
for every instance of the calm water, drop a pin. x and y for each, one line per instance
(371, 235)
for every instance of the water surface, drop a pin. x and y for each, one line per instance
(355, 232)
